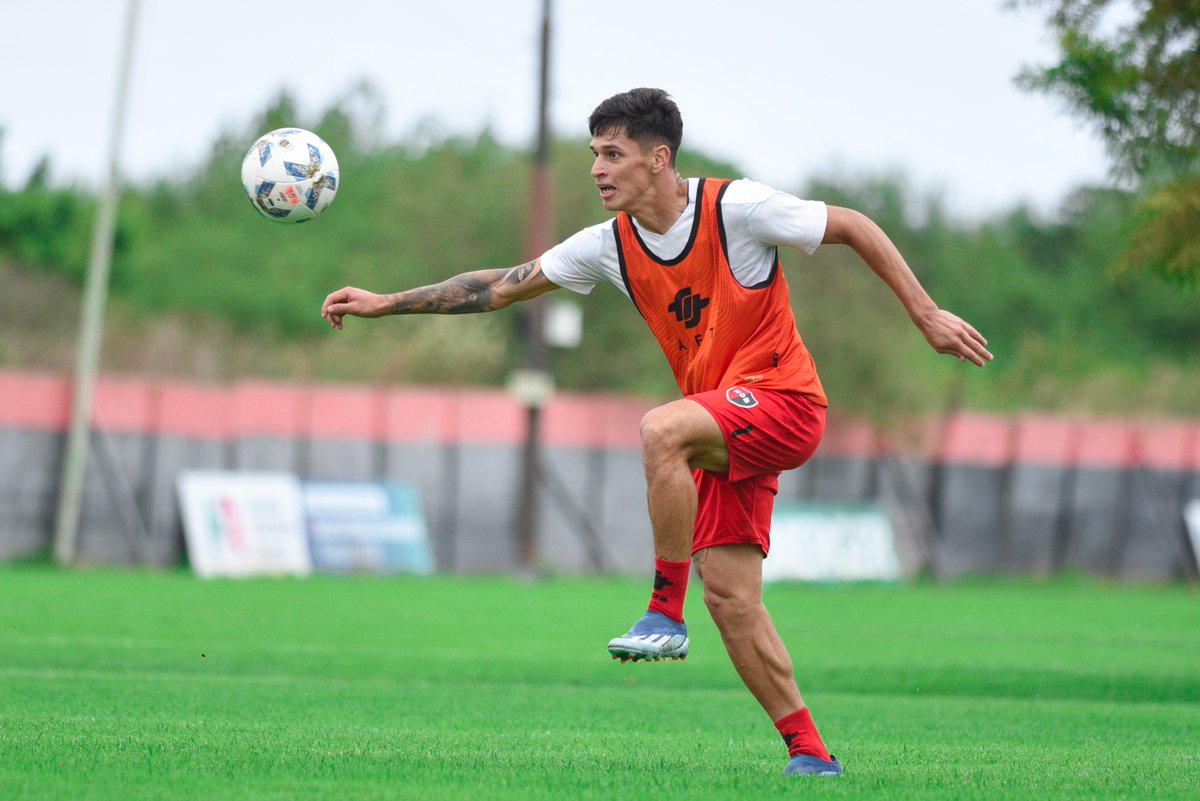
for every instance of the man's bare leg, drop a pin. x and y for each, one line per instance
(732, 576)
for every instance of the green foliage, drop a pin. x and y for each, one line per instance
(45, 227)
(1068, 332)
(1137, 80)
(1165, 236)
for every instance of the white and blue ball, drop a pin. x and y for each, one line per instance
(290, 175)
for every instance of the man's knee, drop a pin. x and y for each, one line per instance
(658, 433)
(732, 576)
(730, 605)
(684, 430)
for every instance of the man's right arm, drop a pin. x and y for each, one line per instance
(945, 332)
(468, 293)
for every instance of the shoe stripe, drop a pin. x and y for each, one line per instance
(655, 640)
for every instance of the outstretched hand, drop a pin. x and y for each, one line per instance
(947, 333)
(353, 301)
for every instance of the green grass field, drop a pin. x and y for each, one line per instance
(130, 685)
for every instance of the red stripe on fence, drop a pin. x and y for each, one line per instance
(1046, 441)
(486, 417)
(39, 402)
(846, 436)
(194, 412)
(576, 421)
(418, 415)
(124, 406)
(346, 413)
(976, 439)
(490, 416)
(1192, 458)
(623, 422)
(1106, 444)
(260, 409)
(1166, 446)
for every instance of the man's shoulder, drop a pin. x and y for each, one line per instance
(587, 243)
(596, 232)
(740, 198)
(746, 191)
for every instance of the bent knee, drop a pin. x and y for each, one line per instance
(658, 432)
(730, 605)
(683, 429)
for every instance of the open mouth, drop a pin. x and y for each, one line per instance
(606, 190)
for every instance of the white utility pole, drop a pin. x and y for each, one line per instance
(91, 331)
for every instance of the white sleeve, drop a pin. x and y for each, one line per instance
(777, 218)
(578, 263)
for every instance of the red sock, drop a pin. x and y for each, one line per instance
(670, 587)
(800, 734)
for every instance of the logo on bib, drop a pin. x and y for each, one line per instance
(740, 396)
(687, 307)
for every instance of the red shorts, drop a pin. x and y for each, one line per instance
(766, 432)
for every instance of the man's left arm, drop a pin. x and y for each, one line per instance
(945, 332)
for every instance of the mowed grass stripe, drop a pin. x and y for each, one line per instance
(490, 688)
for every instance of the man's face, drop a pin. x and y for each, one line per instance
(621, 170)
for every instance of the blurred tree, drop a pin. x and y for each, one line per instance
(1132, 67)
(1137, 79)
(47, 227)
(39, 177)
(238, 295)
(1166, 232)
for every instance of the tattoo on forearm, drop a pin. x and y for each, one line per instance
(463, 294)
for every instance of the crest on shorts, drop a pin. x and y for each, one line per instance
(740, 396)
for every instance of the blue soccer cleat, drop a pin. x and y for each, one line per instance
(655, 637)
(808, 765)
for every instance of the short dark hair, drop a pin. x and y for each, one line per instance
(647, 116)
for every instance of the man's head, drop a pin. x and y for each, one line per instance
(647, 116)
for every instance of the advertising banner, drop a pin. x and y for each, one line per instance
(242, 524)
(831, 542)
(366, 526)
(249, 523)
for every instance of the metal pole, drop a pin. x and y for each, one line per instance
(91, 329)
(537, 361)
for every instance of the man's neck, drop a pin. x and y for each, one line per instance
(663, 206)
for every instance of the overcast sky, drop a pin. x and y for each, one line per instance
(787, 90)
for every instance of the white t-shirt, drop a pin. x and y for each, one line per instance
(757, 219)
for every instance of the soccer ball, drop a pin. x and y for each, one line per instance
(290, 175)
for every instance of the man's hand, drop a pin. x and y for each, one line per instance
(353, 301)
(950, 334)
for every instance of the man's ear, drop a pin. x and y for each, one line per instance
(661, 158)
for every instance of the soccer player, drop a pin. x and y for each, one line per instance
(699, 260)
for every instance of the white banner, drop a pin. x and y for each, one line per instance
(831, 542)
(242, 524)
(1191, 515)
